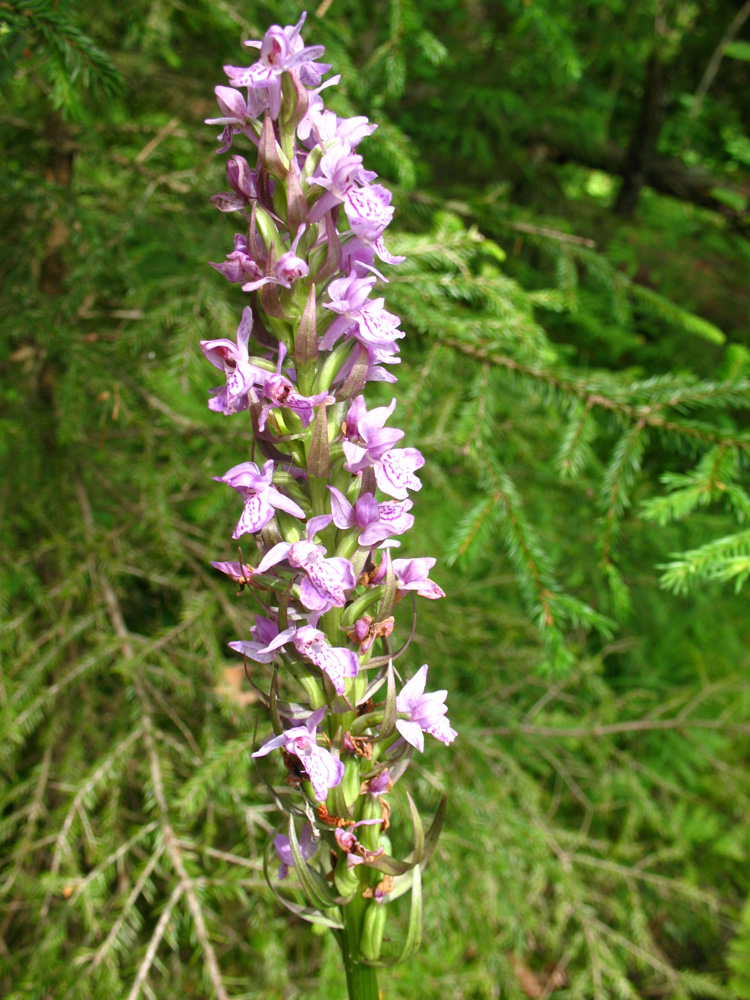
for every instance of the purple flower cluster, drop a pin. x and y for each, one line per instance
(317, 552)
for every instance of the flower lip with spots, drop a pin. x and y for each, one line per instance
(260, 495)
(323, 769)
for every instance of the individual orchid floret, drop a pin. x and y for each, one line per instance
(413, 575)
(378, 328)
(336, 662)
(366, 439)
(394, 473)
(366, 631)
(308, 847)
(349, 295)
(281, 392)
(323, 769)
(350, 131)
(339, 173)
(239, 265)
(381, 784)
(367, 443)
(236, 113)
(328, 581)
(369, 211)
(378, 521)
(260, 495)
(375, 357)
(426, 712)
(264, 631)
(369, 322)
(238, 572)
(356, 853)
(281, 50)
(309, 128)
(233, 360)
(242, 179)
(287, 269)
(359, 257)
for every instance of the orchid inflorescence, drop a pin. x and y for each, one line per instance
(321, 568)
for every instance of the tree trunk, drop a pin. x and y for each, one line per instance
(640, 153)
(664, 174)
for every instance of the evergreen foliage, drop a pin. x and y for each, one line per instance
(586, 423)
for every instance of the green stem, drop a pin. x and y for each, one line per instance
(361, 979)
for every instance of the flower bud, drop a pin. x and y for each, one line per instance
(241, 178)
(370, 833)
(231, 102)
(270, 154)
(344, 878)
(351, 782)
(373, 927)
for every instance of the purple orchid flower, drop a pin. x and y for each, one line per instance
(309, 129)
(281, 50)
(380, 784)
(233, 360)
(377, 520)
(366, 631)
(427, 712)
(394, 473)
(356, 853)
(242, 179)
(281, 392)
(328, 580)
(369, 211)
(287, 269)
(376, 327)
(368, 443)
(329, 128)
(238, 572)
(239, 265)
(323, 769)
(412, 574)
(369, 323)
(349, 295)
(339, 173)
(359, 257)
(375, 358)
(366, 439)
(260, 496)
(236, 112)
(264, 631)
(338, 663)
(308, 847)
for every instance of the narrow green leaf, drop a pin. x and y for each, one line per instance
(433, 833)
(304, 912)
(390, 866)
(418, 831)
(313, 885)
(414, 930)
(389, 711)
(389, 594)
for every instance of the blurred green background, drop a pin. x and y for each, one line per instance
(572, 182)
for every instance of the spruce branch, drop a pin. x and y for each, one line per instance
(156, 939)
(171, 842)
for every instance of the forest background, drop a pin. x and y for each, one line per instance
(572, 180)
